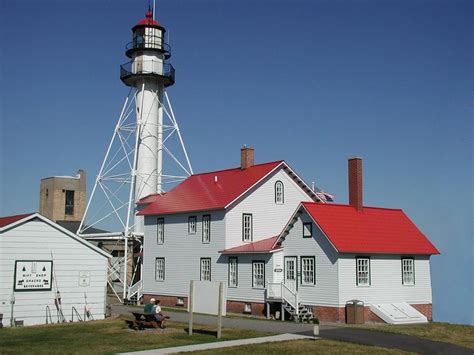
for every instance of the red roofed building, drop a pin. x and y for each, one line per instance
(218, 226)
(190, 230)
(336, 253)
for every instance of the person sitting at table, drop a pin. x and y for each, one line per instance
(159, 316)
(149, 306)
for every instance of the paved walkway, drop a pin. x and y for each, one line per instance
(221, 344)
(334, 332)
(392, 340)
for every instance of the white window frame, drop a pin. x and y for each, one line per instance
(192, 224)
(160, 269)
(258, 274)
(247, 227)
(233, 279)
(160, 231)
(205, 269)
(279, 193)
(408, 271)
(363, 271)
(206, 228)
(308, 270)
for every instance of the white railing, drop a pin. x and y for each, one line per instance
(136, 289)
(274, 290)
(290, 296)
(115, 269)
(281, 291)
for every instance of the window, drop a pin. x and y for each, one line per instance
(160, 269)
(247, 227)
(307, 270)
(258, 280)
(233, 271)
(69, 203)
(206, 228)
(363, 271)
(160, 231)
(307, 230)
(279, 193)
(408, 271)
(205, 269)
(192, 225)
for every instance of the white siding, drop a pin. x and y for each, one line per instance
(244, 290)
(325, 291)
(385, 280)
(269, 218)
(182, 253)
(36, 240)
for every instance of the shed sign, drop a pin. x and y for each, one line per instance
(33, 275)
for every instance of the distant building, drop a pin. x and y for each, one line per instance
(63, 198)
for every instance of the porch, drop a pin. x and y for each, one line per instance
(279, 292)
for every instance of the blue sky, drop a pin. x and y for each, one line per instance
(311, 82)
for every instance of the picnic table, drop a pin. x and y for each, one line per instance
(143, 320)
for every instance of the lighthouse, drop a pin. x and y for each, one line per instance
(149, 72)
(146, 155)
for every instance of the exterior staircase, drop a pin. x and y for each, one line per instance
(303, 315)
(279, 292)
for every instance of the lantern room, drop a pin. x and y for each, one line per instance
(149, 54)
(148, 34)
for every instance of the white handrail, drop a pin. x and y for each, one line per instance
(290, 296)
(136, 288)
(278, 290)
(274, 290)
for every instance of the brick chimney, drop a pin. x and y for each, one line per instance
(247, 158)
(355, 182)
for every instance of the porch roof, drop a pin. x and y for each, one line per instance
(268, 245)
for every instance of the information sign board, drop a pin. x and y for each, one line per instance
(33, 275)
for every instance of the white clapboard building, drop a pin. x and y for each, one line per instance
(282, 247)
(48, 274)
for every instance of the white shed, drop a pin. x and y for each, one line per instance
(48, 273)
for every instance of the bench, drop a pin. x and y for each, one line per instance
(143, 320)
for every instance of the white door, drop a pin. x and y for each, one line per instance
(290, 272)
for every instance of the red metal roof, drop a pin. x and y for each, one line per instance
(148, 20)
(373, 230)
(5, 221)
(262, 246)
(201, 192)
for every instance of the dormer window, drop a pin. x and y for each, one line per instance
(279, 193)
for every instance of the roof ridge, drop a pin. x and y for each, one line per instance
(228, 169)
(18, 215)
(348, 205)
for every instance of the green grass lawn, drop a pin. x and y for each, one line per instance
(319, 346)
(450, 333)
(106, 337)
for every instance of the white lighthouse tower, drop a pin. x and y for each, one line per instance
(145, 155)
(149, 72)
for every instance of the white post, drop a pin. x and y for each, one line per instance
(191, 307)
(125, 269)
(219, 310)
